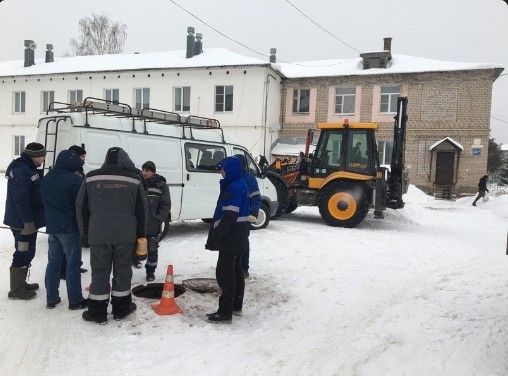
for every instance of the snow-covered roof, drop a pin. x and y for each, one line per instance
(212, 57)
(447, 139)
(354, 67)
(220, 57)
(291, 149)
(504, 147)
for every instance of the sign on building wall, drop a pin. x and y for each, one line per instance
(477, 152)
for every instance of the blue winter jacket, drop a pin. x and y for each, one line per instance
(59, 191)
(24, 201)
(230, 225)
(252, 186)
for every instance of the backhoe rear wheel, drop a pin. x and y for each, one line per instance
(343, 204)
(282, 195)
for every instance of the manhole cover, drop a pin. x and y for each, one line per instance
(201, 284)
(154, 290)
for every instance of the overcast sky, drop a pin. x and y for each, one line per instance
(455, 30)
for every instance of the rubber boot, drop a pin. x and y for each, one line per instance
(29, 286)
(18, 290)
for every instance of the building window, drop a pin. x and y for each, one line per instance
(389, 95)
(142, 98)
(385, 152)
(223, 98)
(345, 100)
(47, 98)
(112, 95)
(19, 144)
(75, 96)
(19, 102)
(301, 100)
(182, 98)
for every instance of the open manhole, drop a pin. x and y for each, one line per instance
(154, 290)
(201, 284)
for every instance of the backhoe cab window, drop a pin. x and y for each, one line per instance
(358, 152)
(329, 154)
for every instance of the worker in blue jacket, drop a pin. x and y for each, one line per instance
(24, 214)
(255, 204)
(228, 234)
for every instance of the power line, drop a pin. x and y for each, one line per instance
(501, 120)
(318, 25)
(247, 47)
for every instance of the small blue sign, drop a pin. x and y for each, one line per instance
(477, 152)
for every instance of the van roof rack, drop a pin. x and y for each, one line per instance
(92, 105)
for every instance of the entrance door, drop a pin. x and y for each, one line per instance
(445, 168)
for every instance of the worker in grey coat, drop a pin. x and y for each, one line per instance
(111, 211)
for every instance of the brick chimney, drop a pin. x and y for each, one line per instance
(49, 53)
(387, 44)
(29, 52)
(273, 57)
(191, 41)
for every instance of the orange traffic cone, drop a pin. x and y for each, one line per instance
(168, 305)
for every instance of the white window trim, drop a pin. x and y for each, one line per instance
(389, 99)
(344, 95)
(22, 104)
(298, 106)
(224, 97)
(43, 107)
(182, 98)
(142, 89)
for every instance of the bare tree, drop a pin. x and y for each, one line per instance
(99, 35)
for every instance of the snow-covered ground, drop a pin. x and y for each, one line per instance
(422, 292)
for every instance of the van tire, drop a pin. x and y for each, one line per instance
(165, 229)
(263, 218)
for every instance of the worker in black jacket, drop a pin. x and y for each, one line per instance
(111, 211)
(159, 207)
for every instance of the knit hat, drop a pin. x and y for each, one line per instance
(150, 166)
(34, 149)
(78, 149)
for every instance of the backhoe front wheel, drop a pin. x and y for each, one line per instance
(343, 204)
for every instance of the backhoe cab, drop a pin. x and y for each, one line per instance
(343, 176)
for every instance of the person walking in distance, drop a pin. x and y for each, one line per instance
(482, 188)
(159, 208)
(228, 234)
(24, 214)
(255, 204)
(111, 209)
(59, 192)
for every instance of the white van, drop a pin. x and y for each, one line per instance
(184, 149)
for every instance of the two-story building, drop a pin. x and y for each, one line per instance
(264, 104)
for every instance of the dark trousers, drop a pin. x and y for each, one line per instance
(153, 253)
(24, 246)
(246, 255)
(481, 194)
(229, 274)
(103, 258)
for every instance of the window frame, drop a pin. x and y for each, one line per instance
(111, 93)
(144, 92)
(78, 94)
(19, 102)
(385, 150)
(296, 108)
(18, 143)
(182, 99)
(343, 97)
(388, 99)
(224, 101)
(45, 101)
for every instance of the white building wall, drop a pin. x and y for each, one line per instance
(246, 122)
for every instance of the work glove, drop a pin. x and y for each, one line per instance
(252, 218)
(28, 229)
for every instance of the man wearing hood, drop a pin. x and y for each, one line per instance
(59, 192)
(111, 208)
(24, 214)
(255, 204)
(228, 234)
(159, 207)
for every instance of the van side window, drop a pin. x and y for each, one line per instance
(203, 158)
(251, 165)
